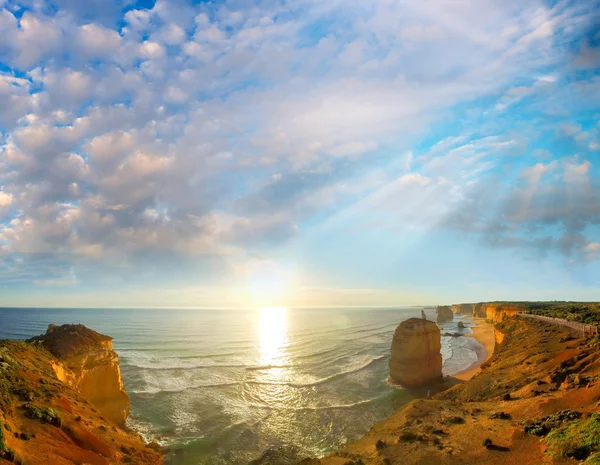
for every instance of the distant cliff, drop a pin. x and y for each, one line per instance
(94, 367)
(444, 313)
(61, 400)
(494, 312)
(416, 359)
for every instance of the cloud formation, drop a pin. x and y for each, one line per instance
(134, 139)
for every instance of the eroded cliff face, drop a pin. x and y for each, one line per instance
(463, 309)
(496, 312)
(45, 419)
(499, 336)
(444, 313)
(478, 311)
(416, 359)
(92, 368)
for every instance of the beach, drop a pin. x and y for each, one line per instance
(483, 333)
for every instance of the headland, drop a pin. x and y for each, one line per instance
(533, 400)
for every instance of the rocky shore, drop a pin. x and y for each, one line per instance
(534, 401)
(62, 402)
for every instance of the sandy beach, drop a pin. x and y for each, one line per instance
(483, 332)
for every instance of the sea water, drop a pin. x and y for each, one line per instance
(230, 386)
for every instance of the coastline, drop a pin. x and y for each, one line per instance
(483, 333)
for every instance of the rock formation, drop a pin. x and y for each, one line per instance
(415, 353)
(495, 312)
(460, 325)
(478, 311)
(444, 313)
(45, 419)
(463, 309)
(93, 367)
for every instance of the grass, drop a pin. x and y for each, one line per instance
(44, 414)
(578, 439)
(5, 451)
(593, 459)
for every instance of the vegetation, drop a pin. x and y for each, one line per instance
(543, 426)
(5, 452)
(44, 414)
(577, 439)
(583, 312)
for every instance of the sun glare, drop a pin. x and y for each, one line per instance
(268, 283)
(272, 330)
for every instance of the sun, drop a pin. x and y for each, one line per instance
(269, 283)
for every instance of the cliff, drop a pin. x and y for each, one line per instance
(534, 402)
(444, 313)
(463, 309)
(495, 312)
(93, 367)
(46, 418)
(415, 353)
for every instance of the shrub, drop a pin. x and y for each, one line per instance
(543, 426)
(6, 452)
(578, 439)
(408, 436)
(593, 459)
(45, 415)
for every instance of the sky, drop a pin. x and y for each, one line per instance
(298, 153)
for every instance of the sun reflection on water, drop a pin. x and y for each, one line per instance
(273, 329)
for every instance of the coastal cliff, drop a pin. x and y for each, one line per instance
(463, 309)
(93, 367)
(494, 312)
(444, 313)
(535, 401)
(56, 392)
(415, 353)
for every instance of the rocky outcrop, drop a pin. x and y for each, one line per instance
(463, 309)
(444, 313)
(499, 336)
(416, 359)
(92, 367)
(478, 311)
(495, 312)
(46, 420)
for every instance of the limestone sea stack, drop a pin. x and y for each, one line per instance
(93, 367)
(416, 359)
(444, 313)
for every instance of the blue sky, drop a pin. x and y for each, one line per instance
(305, 153)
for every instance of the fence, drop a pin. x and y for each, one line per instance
(582, 328)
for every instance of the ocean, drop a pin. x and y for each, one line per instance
(230, 386)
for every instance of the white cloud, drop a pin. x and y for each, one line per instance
(97, 41)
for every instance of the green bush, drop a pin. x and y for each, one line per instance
(578, 439)
(6, 452)
(44, 414)
(593, 460)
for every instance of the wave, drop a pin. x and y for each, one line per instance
(268, 367)
(261, 383)
(319, 381)
(183, 389)
(322, 407)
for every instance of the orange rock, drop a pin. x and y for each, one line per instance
(92, 367)
(444, 313)
(415, 353)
